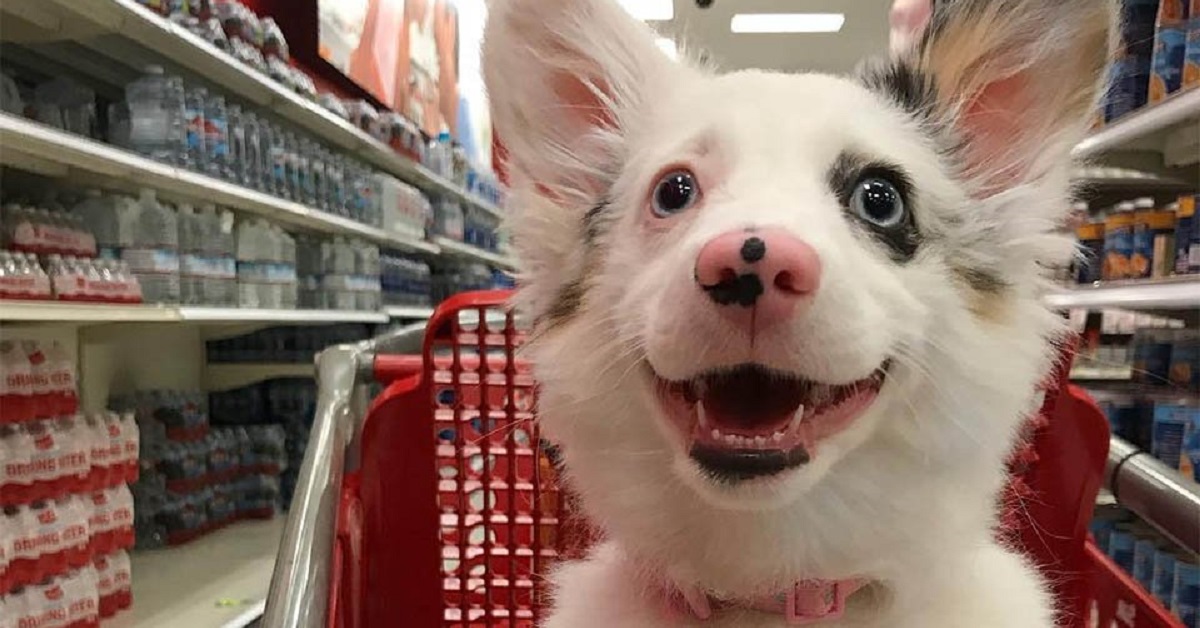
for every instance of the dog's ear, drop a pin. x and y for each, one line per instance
(565, 79)
(1017, 79)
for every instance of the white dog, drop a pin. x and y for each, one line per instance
(788, 325)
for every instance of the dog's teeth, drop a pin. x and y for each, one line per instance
(777, 436)
(796, 418)
(731, 439)
(716, 434)
(703, 418)
(760, 441)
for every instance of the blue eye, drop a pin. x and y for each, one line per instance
(675, 192)
(877, 201)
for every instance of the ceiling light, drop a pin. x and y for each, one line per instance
(668, 46)
(650, 10)
(787, 22)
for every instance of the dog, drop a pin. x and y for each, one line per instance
(788, 326)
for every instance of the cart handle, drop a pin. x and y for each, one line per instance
(299, 593)
(1156, 492)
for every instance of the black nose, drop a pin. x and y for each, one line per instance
(753, 250)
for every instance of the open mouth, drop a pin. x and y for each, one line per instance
(748, 421)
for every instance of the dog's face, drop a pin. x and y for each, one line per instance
(771, 294)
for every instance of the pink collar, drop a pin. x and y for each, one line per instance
(807, 602)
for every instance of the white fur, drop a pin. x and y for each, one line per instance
(906, 497)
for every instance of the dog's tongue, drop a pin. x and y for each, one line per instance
(751, 401)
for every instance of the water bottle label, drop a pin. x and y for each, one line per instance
(163, 261)
(152, 129)
(195, 130)
(216, 136)
(279, 166)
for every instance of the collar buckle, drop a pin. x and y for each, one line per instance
(812, 601)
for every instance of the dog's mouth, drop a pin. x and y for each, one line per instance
(749, 422)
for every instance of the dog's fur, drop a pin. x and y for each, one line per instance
(980, 115)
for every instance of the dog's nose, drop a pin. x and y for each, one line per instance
(768, 271)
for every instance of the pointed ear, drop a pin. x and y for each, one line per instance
(1017, 80)
(566, 79)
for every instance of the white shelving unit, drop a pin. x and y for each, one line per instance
(32, 146)
(44, 150)
(1148, 122)
(217, 581)
(59, 312)
(408, 312)
(139, 30)
(1178, 294)
(460, 250)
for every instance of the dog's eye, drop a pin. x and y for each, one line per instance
(675, 192)
(878, 201)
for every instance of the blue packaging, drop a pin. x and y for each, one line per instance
(1172, 424)
(1152, 356)
(1163, 584)
(1137, 26)
(1120, 548)
(1144, 550)
(1191, 56)
(1170, 45)
(1186, 224)
(1184, 371)
(1185, 599)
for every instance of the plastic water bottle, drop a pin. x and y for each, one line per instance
(156, 116)
(252, 244)
(218, 231)
(289, 294)
(191, 259)
(238, 164)
(216, 136)
(154, 255)
(253, 171)
(194, 104)
(280, 167)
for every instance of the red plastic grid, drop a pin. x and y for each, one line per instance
(499, 502)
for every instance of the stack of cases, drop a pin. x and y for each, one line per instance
(67, 517)
(283, 406)
(1168, 572)
(197, 478)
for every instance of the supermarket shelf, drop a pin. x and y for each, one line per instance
(465, 251)
(1116, 179)
(140, 29)
(52, 311)
(46, 311)
(400, 311)
(1148, 121)
(1178, 294)
(236, 315)
(1098, 374)
(217, 581)
(37, 147)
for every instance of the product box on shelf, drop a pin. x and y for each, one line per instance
(1170, 44)
(1168, 572)
(64, 504)
(196, 477)
(1191, 55)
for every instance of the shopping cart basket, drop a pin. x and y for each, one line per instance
(436, 504)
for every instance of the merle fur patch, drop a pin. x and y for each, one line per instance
(981, 280)
(594, 222)
(566, 303)
(904, 84)
(847, 170)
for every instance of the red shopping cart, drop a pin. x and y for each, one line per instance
(436, 504)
